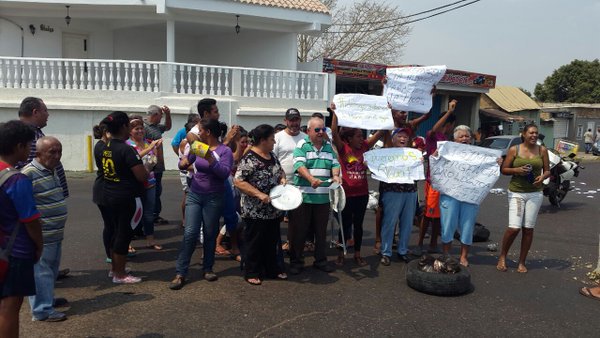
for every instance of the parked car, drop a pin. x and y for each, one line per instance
(502, 143)
(596, 148)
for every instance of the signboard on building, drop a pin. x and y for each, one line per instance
(469, 79)
(355, 70)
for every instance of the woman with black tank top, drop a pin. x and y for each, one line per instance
(529, 166)
(124, 175)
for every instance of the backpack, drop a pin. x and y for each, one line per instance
(5, 253)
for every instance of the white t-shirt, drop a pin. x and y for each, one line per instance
(284, 150)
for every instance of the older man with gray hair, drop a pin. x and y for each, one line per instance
(317, 167)
(50, 201)
(154, 131)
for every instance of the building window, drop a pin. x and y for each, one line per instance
(579, 131)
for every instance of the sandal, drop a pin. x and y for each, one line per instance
(131, 252)
(282, 276)
(253, 281)
(155, 246)
(585, 291)
(221, 251)
(377, 248)
(359, 261)
(237, 258)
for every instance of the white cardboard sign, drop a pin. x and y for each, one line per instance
(409, 88)
(395, 165)
(463, 171)
(363, 111)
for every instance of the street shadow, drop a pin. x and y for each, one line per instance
(106, 301)
(479, 255)
(570, 205)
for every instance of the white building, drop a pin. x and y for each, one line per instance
(85, 58)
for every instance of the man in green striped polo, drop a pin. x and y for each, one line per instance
(50, 201)
(315, 163)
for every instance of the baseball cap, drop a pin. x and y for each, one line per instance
(292, 113)
(402, 130)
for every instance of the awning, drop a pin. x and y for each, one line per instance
(500, 115)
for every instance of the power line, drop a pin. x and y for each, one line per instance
(406, 22)
(402, 17)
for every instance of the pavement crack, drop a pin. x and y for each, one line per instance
(289, 320)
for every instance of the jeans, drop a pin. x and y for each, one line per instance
(201, 211)
(45, 273)
(158, 205)
(230, 216)
(588, 148)
(397, 206)
(149, 204)
(457, 215)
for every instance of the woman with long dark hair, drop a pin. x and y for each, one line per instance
(124, 175)
(258, 172)
(204, 202)
(528, 164)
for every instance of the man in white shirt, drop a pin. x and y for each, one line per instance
(286, 140)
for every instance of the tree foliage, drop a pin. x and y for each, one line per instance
(577, 82)
(348, 38)
(526, 92)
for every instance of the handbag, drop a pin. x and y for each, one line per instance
(5, 253)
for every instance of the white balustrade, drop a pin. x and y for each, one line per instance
(145, 76)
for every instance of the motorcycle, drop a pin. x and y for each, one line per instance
(562, 171)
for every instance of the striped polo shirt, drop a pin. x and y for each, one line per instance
(319, 163)
(49, 200)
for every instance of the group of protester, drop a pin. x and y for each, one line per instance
(234, 175)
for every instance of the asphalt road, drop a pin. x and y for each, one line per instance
(369, 301)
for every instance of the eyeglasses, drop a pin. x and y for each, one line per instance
(318, 130)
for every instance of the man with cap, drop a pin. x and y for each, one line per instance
(286, 140)
(154, 131)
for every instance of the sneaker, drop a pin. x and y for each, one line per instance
(129, 279)
(385, 260)
(210, 276)
(177, 283)
(111, 274)
(404, 258)
(60, 302)
(55, 316)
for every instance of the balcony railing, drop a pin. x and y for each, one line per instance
(147, 76)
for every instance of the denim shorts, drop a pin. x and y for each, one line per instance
(523, 208)
(19, 278)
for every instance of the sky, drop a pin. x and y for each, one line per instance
(520, 41)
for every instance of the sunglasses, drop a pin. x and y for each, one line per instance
(318, 130)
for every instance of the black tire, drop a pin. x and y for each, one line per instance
(559, 194)
(439, 284)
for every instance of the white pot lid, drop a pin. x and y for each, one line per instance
(285, 197)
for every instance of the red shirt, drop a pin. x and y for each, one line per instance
(354, 170)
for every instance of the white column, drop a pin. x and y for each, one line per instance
(170, 40)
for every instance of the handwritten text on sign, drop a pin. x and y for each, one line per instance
(463, 171)
(395, 165)
(409, 88)
(363, 111)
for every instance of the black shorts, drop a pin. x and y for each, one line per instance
(19, 278)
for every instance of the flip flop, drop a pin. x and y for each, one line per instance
(222, 252)
(156, 247)
(585, 291)
(254, 281)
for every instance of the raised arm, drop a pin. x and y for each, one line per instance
(440, 123)
(337, 140)
(375, 137)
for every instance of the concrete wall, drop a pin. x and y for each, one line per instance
(73, 113)
(258, 49)
(49, 44)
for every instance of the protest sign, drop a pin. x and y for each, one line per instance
(363, 111)
(463, 171)
(409, 88)
(395, 165)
